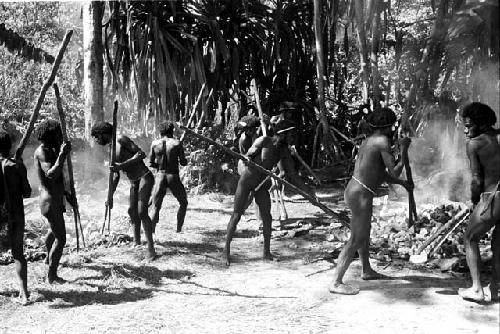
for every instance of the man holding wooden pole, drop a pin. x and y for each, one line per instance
(49, 161)
(266, 152)
(129, 159)
(374, 165)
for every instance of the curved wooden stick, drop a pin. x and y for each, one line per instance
(41, 96)
(76, 210)
(261, 169)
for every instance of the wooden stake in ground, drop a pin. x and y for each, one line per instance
(107, 213)
(76, 210)
(412, 206)
(261, 169)
(41, 96)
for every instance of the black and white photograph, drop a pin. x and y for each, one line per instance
(250, 166)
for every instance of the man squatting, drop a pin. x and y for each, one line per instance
(483, 151)
(14, 186)
(129, 159)
(374, 165)
(166, 155)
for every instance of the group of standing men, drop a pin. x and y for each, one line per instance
(375, 164)
(49, 158)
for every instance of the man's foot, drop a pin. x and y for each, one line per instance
(343, 289)
(371, 275)
(493, 291)
(22, 300)
(225, 258)
(56, 280)
(472, 294)
(151, 255)
(270, 257)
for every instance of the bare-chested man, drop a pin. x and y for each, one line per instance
(129, 159)
(483, 151)
(374, 165)
(166, 155)
(14, 186)
(49, 161)
(267, 152)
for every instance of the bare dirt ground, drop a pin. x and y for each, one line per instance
(188, 290)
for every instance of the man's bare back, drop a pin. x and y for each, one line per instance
(167, 154)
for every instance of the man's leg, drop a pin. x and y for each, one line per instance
(361, 209)
(133, 211)
(364, 254)
(56, 221)
(49, 240)
(263, 201)
(495, 275)
(475, 230)
(240, 201)
(16, 234)
(159, 191)
(179, 192)
(145, 188)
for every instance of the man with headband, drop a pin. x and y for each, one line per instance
(374, 165)
(267, 152)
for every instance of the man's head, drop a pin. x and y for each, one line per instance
(167, 129)
(102, 133)
(286, 132)
(5, 143)
(383, 120)
(477, 117)
(49, 133)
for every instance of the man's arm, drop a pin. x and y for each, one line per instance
(152, 157)
(127, 144)
(25, 185)
(477, 183)
(52, 171)
(182, 156)
(256, 147)
(392, 170)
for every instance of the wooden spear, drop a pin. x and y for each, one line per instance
(261, 169)
(76, 210)
(41, 96)
(107, 213)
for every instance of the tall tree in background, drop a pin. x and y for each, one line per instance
(93, 64)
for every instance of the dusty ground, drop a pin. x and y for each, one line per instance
(187, 290)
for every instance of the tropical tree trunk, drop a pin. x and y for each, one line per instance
(93, 64)
(320, 65)
(374, 55)
(363, 48)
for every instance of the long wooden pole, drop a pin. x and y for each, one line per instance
(255, 92)
(41, 95)
(107, 214)
(193, 110)
(309, 169)
(261, 169)
(76, 210)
